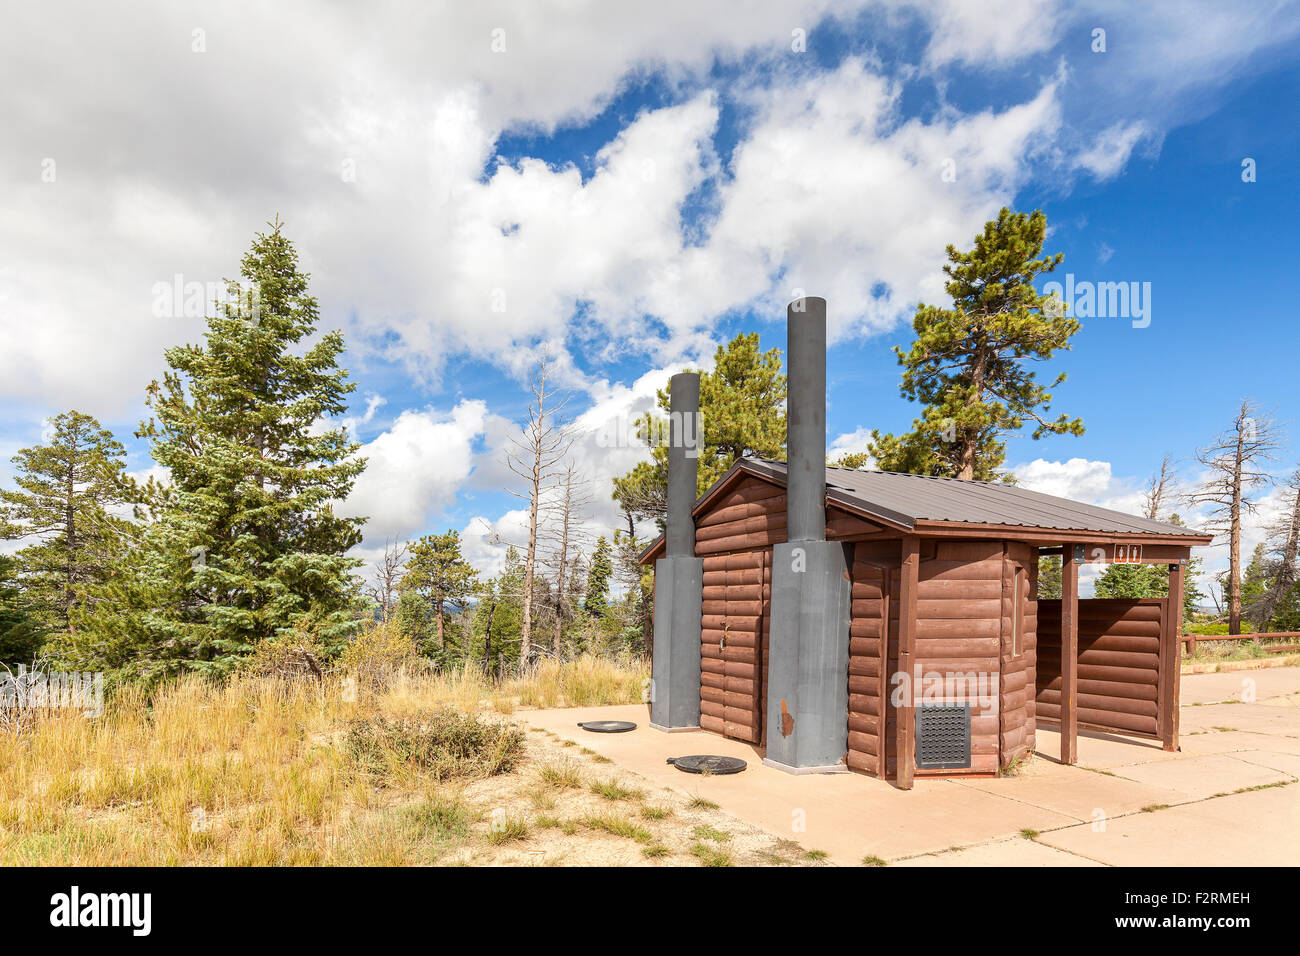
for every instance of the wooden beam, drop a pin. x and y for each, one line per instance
(908, 579)
(1171, 647)
(1052, 536)
(1069, 657)
(1097, 553)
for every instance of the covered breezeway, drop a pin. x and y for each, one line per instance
(1111, 664)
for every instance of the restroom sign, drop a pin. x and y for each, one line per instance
(1127, 554)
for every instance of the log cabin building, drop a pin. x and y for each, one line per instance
(913, 640)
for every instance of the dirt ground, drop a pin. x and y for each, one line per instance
(631, 822)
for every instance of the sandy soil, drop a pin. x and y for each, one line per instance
(558, 818)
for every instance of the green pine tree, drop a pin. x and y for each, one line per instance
(246, 545)
(1192, 594)
(968, 365)
(20, 636)
(742, 412)
(1133, 581)
(498, 615)
(439, 574)
(1049, 577)
(69, 502)
(596, 603)
(1255, 582)
(1286, 616)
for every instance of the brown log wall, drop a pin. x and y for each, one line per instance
(959, 631)
(737, 589)
(874, 567)
(1017, 712)
(1119, 663)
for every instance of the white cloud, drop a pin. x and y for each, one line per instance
(414, 469)
(410, 255)
(851, 442)
(994, 32)
(1077, 479)
(1110, 152)
(485, 541)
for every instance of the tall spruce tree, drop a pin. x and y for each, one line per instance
(596, 602)
(742, 411)
(247, 545)
(968, 365)
(438, 572)
(69, 502)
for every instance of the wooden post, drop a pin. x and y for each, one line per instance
(906, 653)
(1069, 656)
(1171, 660)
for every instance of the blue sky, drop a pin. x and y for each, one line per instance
(640, 186)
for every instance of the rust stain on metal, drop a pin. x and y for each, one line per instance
(787, 721)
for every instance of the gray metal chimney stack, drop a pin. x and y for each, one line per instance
(808, 646)
(805, 419)
(679, 574)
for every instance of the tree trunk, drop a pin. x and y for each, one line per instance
(70, 533)
(1234, 544)
(530, 559)
(557, 637)
(442, 638)
(487, 646)
(970, 439)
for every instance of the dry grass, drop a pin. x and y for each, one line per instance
(421, 770)
(585, 682)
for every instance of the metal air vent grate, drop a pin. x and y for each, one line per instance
(942, 736)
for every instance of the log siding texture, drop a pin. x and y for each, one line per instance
(1119, 663)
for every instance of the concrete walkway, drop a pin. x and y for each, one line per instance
(1229, 797)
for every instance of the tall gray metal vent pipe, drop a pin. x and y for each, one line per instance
(808, 644)
(805, 420)
(679, 574)
(683, 463)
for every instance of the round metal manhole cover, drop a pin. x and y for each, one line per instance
(708, 764)
(607, 726)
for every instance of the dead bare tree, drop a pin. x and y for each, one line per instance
(388, 575)
(1158, 489)
(565, 535)
(1236, 460)
(545, 440)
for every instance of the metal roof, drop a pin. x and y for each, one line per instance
(913, 498)
(900, 501)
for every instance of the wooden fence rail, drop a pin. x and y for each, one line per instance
(1191, 640)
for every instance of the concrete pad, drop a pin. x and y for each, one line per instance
(1081, 794)
(1260, 828)
(1212, 688)
(1253, 717)
(1287, 763)
(1016, 852)
(1102, 751)
(850, 816)
(1199, 777)
(1230, 741)
(847, 815)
